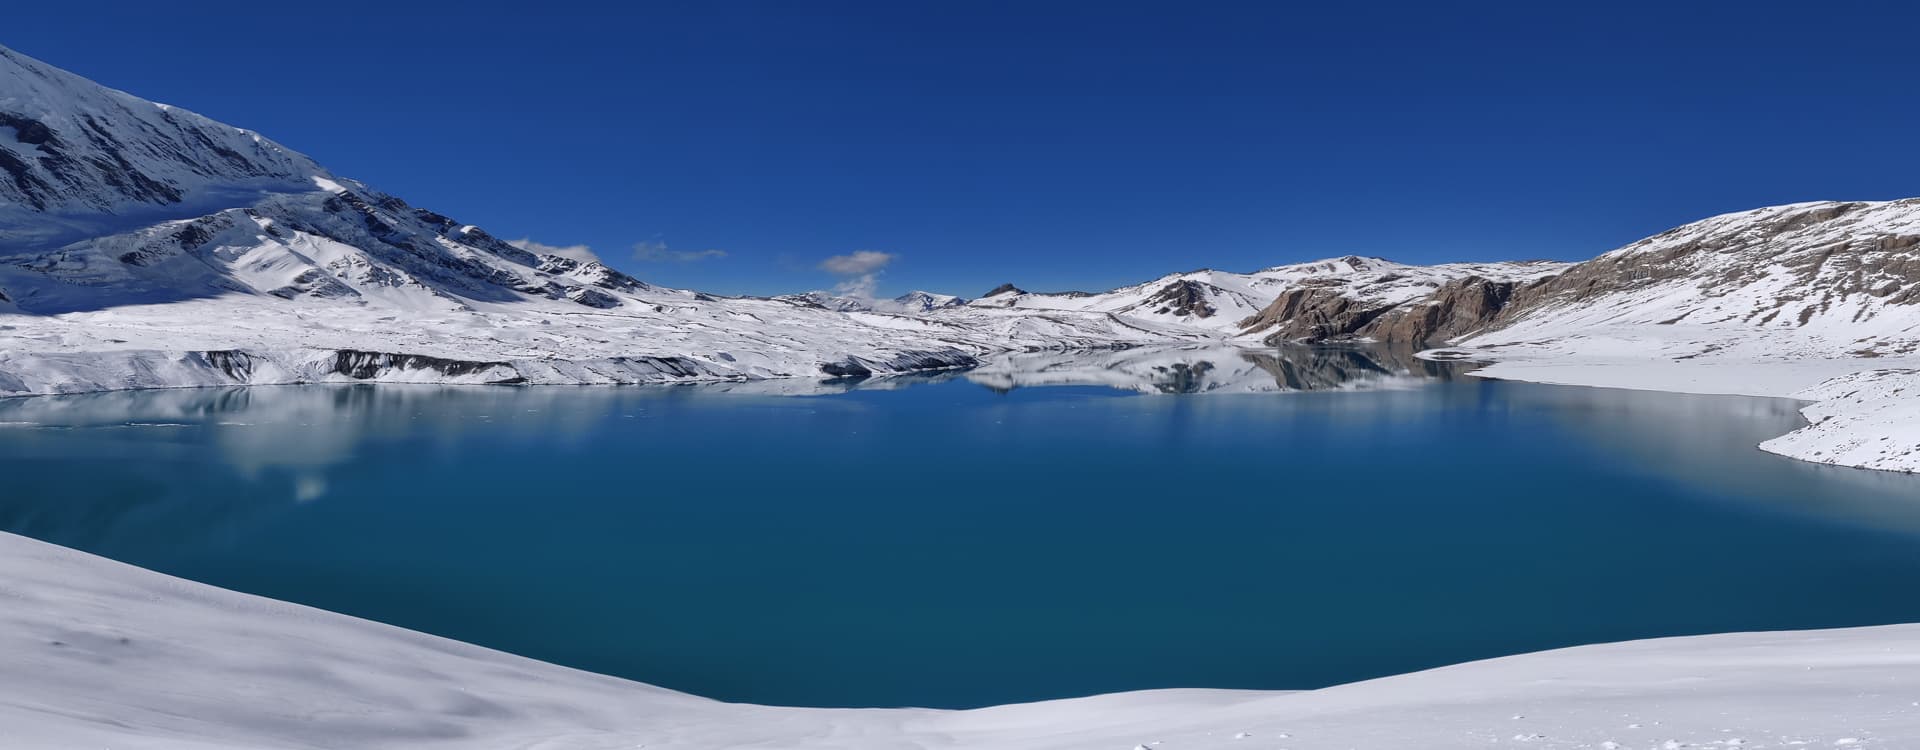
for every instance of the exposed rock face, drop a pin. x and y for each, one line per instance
(1844, 265)
(860, 367)
(1004, 289)
(1369, 299)
(1183, 297)
(1313, 313)
(593, 298)
(1460, 307)
(234, 363)
(371, 365)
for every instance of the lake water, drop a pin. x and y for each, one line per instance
(965, 539)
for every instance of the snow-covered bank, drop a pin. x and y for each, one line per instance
(96, 654)
(1861, 412)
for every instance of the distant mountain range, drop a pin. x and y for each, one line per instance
(142, 245)
(911, 303)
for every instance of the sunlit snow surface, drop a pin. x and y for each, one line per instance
(98, 654)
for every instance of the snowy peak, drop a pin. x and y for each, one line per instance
(71, 147)
(110, 200)
(912, 303)
(1348, 264)
(919, 301)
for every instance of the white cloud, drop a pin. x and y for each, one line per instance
(654, 251)
(861, 271)
(860, 287)
(576, 252)
(857, 262)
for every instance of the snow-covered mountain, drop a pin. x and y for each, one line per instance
(81, 158)
(1837, 278)
(1817, 301)
(144, 246)
(1325, 300)
(911, 303)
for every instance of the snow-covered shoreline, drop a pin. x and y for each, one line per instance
(1860, 412)
(1857, 417)
(116, 656)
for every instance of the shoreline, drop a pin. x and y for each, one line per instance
(1856, 416)
(125, 657)
(1857, 412)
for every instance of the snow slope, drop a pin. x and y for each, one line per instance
(76, 157)
(1817, 301)
(130, 659)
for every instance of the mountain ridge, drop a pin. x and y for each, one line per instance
(142, 245)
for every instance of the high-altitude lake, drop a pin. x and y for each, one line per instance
(966, 539)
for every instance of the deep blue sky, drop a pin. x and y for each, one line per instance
(1055, 145)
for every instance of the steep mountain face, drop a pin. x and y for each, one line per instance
(343, 243)
(75, 156)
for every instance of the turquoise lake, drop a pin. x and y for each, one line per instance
(965, 539)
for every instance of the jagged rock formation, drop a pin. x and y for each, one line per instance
(1184, 298)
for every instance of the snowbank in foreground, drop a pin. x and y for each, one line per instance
(98, 654)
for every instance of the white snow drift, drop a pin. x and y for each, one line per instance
(95, 654)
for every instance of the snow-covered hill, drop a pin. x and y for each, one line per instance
(1819, 301)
